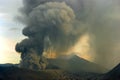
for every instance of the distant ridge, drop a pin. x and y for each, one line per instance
(114, 74)
(9, 65)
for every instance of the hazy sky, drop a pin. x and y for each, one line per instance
(10, 30)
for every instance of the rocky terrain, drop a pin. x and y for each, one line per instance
(16, 73)
(69, 68)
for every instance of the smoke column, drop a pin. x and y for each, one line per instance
(47, 23)
(59, 24)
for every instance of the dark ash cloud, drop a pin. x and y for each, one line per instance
(53, 20)
(58, 24)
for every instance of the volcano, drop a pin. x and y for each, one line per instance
(76, 64)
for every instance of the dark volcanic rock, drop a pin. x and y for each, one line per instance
(114, 74)
(14, 73)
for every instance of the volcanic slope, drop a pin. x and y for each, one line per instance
(15, 73)
(75, 63)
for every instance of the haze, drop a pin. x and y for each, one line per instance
(99, 44)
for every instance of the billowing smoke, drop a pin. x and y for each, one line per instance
(50, 23)
(57, 25)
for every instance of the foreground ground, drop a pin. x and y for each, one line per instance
(15, 73)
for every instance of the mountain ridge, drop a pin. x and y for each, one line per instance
(75, 63)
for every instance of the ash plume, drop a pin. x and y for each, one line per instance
(30, 4)
(53, 20)
(58, 24)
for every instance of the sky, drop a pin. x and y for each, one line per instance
(10, 30)
(11, 33)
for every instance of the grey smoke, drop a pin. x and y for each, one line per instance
(61, 22)
(104, 28)
(53, 20)
(30, 4)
